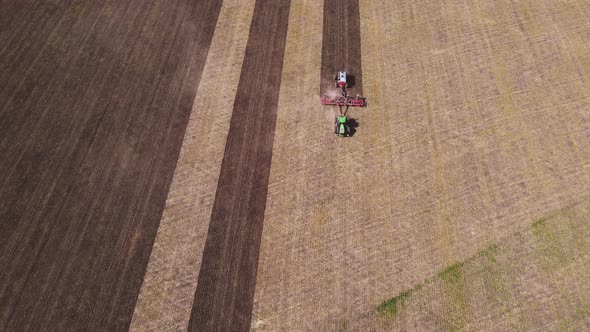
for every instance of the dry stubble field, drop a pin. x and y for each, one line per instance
(477, 127)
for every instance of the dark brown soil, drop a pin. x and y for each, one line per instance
(341, 45)
(225, 290)
(94, 101)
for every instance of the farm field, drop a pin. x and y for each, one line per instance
(94, 100)
(477, 126)
(168, 165)
(169, 286)
(531, 280)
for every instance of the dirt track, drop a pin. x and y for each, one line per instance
(225, 289)
(95, 97)
(341, 46)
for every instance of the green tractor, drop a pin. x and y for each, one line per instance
(342, 126)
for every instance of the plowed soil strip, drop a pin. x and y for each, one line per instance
(341, 45)
(168, 289)
(225, 290)
(95, 103)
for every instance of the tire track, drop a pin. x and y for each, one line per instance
(341, 45)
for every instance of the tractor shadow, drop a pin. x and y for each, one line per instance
(352, 124)
(350, 81)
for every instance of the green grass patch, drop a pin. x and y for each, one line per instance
(390, 308)
(539, 227)
(454, 288)
(490, 253)
(550, 252)
(583, 311)
(452, 274)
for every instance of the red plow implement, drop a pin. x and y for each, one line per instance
(344, 101)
